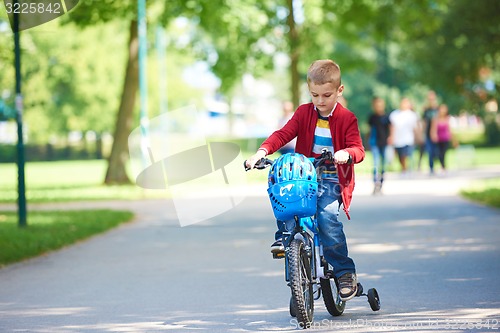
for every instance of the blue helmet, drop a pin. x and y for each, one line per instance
(292, 187)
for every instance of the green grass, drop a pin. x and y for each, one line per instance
(485, 192)
(52, 230)
(66, 181)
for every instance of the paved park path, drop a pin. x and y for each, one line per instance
(433, 256)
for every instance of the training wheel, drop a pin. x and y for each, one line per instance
(373, 299)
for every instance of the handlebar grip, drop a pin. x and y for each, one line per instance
(261, 164)
(245, 165)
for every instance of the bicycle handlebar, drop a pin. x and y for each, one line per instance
(318, 161)
(327, 155)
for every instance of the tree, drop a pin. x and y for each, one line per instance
(465, 45)
(67, 82)
(461, 59)
(348, 32)
(116, 172)
(91, 12)
(234, 39)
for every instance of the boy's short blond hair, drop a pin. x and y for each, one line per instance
(324, 71)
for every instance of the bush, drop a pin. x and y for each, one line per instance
(49, 152)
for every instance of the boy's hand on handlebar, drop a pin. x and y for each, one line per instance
(341, 157)
(250, 163)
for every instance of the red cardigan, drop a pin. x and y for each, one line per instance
(345, 135)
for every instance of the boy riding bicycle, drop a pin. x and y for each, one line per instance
(325, 123)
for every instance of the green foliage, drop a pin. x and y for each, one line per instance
(7, 73)
(92, 12)
(73, 78)
(70, 82)
(232, 43)
(82, 79)
(52, 230)
(467, 40)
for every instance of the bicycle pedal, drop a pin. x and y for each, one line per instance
(279, 255)
(329, 274)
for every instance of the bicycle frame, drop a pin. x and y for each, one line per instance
(307, 229)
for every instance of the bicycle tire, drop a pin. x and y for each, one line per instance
(293, 308)
(301, 283)
(331, 297)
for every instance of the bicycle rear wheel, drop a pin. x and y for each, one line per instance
(301, 283)
(331, 297)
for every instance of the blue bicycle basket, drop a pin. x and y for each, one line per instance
(293, 187)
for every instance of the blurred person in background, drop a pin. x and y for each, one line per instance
(378, 140)
(441, 133)
(430, 112)
(419, 142)
(404, 124)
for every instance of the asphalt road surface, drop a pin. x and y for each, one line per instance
(433, 257)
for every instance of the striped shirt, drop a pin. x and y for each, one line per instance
(323, 139)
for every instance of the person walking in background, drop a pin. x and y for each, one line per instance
(418, 140)
(378, 139)
(287, 115)
(430, 112)
(441, 133)
(404, 123)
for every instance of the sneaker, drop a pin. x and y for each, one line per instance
(277, 247)
(348, 286)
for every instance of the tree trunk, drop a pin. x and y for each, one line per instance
(116, 173)
(293, 37)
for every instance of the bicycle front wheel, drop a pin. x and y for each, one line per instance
(301, 283)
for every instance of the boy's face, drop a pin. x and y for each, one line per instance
(325, 96)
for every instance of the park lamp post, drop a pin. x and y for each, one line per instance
(7, 113)
(21, 200)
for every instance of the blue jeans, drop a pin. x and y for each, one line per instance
(331, 230)
(378, 163)
(430, 147)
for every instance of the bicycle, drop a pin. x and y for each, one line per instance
(307, 273)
